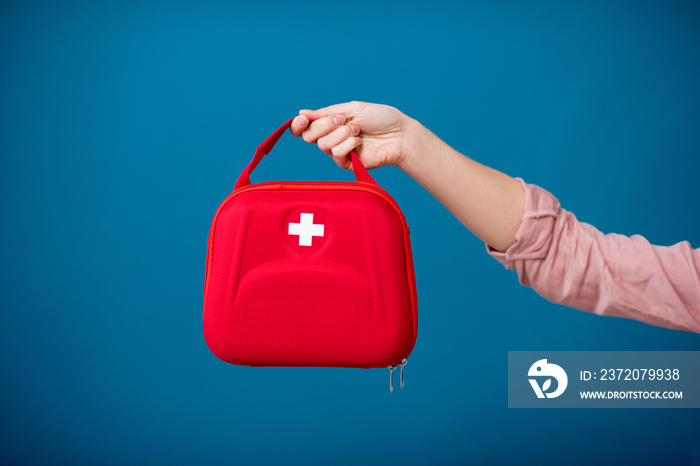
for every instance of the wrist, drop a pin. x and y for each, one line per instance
(418, 142)
(411, 135)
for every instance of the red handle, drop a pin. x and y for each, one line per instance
(361, 173)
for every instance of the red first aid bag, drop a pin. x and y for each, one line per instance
(310, 273)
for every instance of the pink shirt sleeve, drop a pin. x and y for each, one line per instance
(572, 263)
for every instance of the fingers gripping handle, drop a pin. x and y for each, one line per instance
(361, 173)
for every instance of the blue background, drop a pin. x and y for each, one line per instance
(124, 124)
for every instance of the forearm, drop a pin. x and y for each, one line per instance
(489, 203)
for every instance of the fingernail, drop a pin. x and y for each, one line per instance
(358, 140)
(301, 120)
(338, 119)
(355, 129)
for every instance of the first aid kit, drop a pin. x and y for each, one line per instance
(309, 273)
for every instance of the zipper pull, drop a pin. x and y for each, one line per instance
(403, 363)
(391, 378)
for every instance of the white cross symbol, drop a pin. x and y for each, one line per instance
(306, 229)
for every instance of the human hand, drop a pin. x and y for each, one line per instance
(376, 132)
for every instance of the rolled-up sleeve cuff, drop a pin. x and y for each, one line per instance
(534, 236)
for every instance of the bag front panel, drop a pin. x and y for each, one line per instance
(311, 277)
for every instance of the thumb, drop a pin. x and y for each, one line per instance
(299, 124)
(348, 110)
